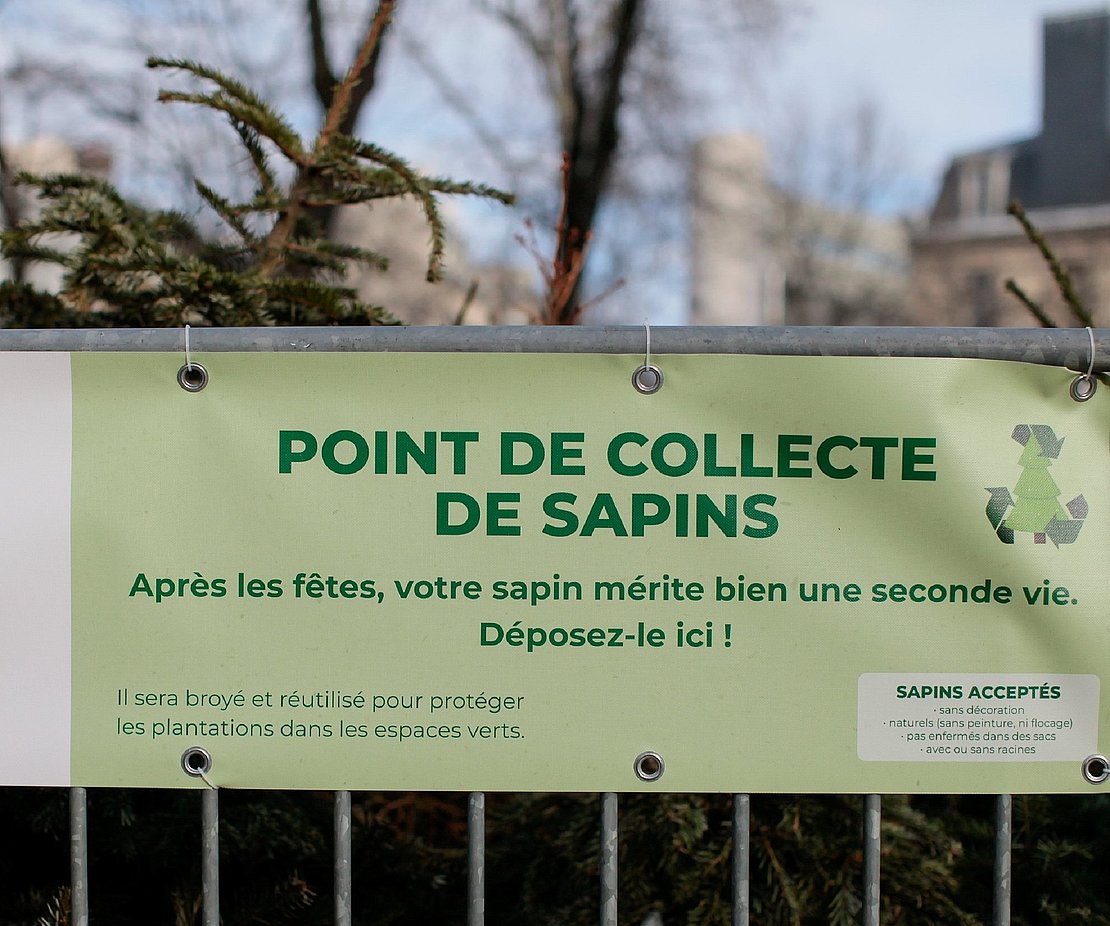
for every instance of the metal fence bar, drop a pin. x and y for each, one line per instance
(609, 859)
(342, 858)
(476, 859)
(210, 857)
(872, 845)
(79, 857)
(1070, 347)
(1003, 835)
(741, 859)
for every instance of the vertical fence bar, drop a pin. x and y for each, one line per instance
(342, 858)
(872, 845)
(741, 859)
(1003, 835)
(79, 857)
(476, 859)
(210, 856)
(608, 859)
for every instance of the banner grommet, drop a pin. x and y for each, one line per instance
(649, 766)
(647, 378)
(1096, 769)
(196, 761)
(1083, 386)
(192, 377)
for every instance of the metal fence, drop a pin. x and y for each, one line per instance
(1062, 347)
(1084, 351)
(476, 859)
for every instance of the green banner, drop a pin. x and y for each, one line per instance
(516, 572)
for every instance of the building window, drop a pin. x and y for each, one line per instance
(983, 184)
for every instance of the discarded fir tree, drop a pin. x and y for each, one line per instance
(128, 266)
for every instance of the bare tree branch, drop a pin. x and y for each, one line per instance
(340, 112)
(594, 139)
(351, 93)
(524, 31)
(565, 79)
(323, 80)
(457, 99)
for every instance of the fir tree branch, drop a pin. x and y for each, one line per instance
(786, 883)
(274, 245)
(455, 188)
(1059, 271)
(252, 144)
(468, 300)
(11, 212)
(281, 234)
(353, 253)
(264, 203)
(23, 248)
(1034, 308)
(175, 225)
(52, 186)
(264, 121)
(226, 211)
(417, 187)
(342, 96)
(229, 85)
(136, 267)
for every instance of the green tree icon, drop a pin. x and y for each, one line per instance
(1035, 499)
(1036, 495)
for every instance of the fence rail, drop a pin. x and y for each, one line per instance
(1064, 347)
(1080, 350)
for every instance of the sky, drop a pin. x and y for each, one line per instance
(949, 75)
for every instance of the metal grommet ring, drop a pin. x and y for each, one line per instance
(649, 766)
(647, 378)
(192, 377)
(196, 761)
(1096, 769)
(1082, 387)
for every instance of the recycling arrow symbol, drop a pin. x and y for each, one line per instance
(1032, 507)
(1000, 502)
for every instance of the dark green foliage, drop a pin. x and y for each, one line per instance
(1060, 275)
(676, 859)
(1060, 844)
(1067, 863)
(275, 857)
(543, 858)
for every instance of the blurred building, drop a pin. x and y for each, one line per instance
(969, 247)
(763, 256)
(468, 294)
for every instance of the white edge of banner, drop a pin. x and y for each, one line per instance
(36, 464)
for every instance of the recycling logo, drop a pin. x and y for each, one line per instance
(1034, 506)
